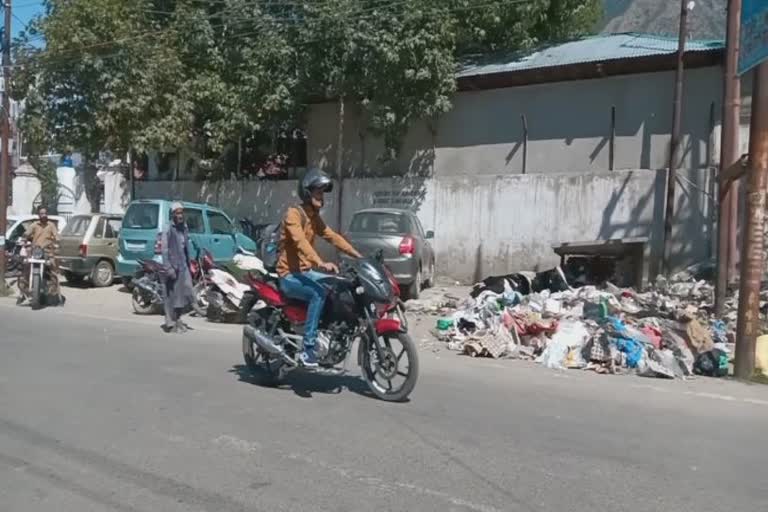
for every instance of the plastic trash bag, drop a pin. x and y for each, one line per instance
(570, 335)
(713, 363)
(633, 349)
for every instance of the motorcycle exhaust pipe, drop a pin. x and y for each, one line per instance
(266, 343)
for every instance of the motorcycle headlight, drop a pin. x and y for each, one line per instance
(359, 290)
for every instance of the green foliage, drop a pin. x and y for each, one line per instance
(49, 183)
(123, 75)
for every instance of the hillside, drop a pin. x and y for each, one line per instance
(707, 21)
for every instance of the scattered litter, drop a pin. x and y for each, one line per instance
(666, 331)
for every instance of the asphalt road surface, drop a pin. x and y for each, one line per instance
(113, 415)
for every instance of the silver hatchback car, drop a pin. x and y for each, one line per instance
(406, 247)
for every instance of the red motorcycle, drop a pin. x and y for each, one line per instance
(361, 305)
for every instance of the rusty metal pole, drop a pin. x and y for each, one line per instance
(524, 119)
(674, 142)
(612, 143)
(752, 257)
(729, 154)
(5, 157)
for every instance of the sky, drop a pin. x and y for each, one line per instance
(24, 10)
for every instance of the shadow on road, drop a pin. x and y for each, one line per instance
(304, 384)
(78, 285)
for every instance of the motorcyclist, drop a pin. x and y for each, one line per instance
(43, 234)
(298, 259)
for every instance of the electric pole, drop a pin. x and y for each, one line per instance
(728, 206)
(5, 157)
(674, 143)
(752, 257)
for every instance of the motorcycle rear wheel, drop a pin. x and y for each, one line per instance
(263, 368)
(373, 369)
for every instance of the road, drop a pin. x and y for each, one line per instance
(113, 415)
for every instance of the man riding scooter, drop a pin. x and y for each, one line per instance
(298, 259)
(43, 234)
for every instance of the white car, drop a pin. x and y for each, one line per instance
(16, 225)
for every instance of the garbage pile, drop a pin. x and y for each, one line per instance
(667, 331)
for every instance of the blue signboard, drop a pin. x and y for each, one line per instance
(754, 34)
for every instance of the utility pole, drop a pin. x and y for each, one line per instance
(752, 257)
(669, 214)
(728, 207)
(5, 157)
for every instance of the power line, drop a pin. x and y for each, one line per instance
(364, 14)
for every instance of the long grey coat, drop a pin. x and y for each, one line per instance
(179, 292)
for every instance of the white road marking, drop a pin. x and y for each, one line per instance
(235, 443)
(714, 396)
(702, 394)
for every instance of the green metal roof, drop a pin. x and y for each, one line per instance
(591, 49)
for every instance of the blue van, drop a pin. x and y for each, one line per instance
(144, 221)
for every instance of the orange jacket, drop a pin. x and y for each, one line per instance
(297, 253)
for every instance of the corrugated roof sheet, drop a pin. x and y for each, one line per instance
(592, 49)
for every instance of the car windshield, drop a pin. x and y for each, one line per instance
(142, 216)
(380, 222)
(77, 226)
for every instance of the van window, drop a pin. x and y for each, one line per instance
(142, 216)
(194, 219)
(220, 225)
(77, 226)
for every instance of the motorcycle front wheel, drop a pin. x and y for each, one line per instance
(35, 289)
(394, 376)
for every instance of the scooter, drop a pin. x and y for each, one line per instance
(226, 294)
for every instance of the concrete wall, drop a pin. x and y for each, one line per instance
(569, 126)
(497, 224)
(463, 173)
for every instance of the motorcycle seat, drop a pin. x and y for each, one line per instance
(151, 265)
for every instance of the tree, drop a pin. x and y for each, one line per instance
(398, 59)
(511, 25)
(136, 74)
(124, 75)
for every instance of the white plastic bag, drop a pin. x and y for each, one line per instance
(570, 335)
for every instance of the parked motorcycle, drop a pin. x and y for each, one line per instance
(358, 306)
(14, 261)
(147, 284)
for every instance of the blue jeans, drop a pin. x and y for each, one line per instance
(304, 286)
